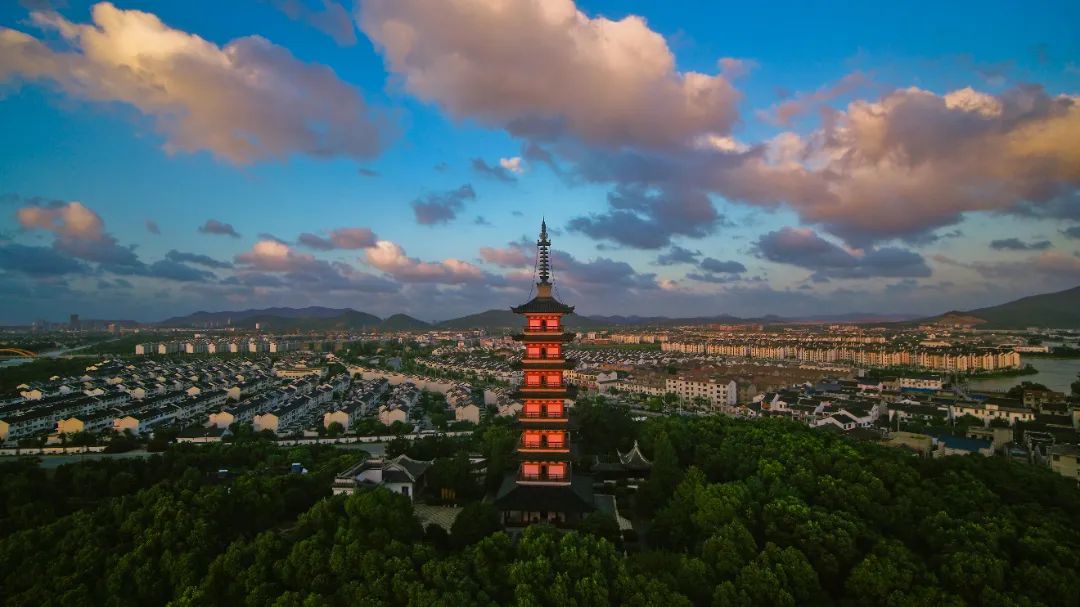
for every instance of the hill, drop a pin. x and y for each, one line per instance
(403, 322)
(1060, 310)
(505, 319)
(348, 319)
(314, 318)
(234, 317)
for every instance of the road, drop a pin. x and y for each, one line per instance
(51, 462)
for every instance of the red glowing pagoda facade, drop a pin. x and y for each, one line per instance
(544, 487)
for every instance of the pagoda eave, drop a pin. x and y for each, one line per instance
(568, 363)
(539, 393)
(542, 337)
(543, 305)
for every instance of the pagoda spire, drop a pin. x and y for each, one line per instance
(543, 248)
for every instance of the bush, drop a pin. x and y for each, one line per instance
(475, 522)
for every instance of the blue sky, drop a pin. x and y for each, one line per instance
(693, 158)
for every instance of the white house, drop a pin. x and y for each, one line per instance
(401, 474)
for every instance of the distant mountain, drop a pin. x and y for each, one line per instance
(1060, 310)
(505, 319)
(404, 322)
(667, 321)
(315, 318)
(855, 317)
(1055, 310)
(204, 319)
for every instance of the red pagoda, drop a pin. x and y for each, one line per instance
(544, 487)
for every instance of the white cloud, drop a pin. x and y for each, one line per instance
(542, 68)
(390, 257)
(245, 101)
(512, 164)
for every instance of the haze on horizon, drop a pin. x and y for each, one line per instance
(162, 158)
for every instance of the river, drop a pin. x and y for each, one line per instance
(11, 362)
(1054, 373)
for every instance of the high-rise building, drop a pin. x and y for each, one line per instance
(73, 322)
(544, 487)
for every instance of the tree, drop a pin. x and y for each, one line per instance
(83, 439)
(1017, 391)
(664, 477)
(602, 525)
(335, 429)
(475, 521)
(451, 479)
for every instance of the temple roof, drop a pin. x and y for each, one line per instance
(634, 458)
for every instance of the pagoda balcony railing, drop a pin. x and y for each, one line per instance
(545, 386)
(546, 446)
(543, 330)
(543, 415)
(540, 479)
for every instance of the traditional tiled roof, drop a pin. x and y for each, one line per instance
(577, 497)
(542, 305)
(634, 458)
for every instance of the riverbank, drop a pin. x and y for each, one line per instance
(1054, 373)
(1021, 372)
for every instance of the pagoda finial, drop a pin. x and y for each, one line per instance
(543, 249)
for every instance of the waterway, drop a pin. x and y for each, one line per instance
(1054, 373)
(11, 362)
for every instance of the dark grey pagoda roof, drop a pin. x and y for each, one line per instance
(576, 497)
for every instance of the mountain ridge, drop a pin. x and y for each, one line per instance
(1057, 310)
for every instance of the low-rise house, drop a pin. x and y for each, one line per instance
(1065, 460)
(401, 474)
(467, 413)
(717, 392)
(345, 415)
(990, 411)
(947, 444)
(388, 414)
(998, 437)
(923, 444)
(1037, 398)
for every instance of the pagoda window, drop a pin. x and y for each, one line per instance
(555, 410)
(551, 325)
(532, 379)
(532, 409)
(555, 440)
(534, 351)
(532, 439)
(553, 351)
(535, 324)
(530, 470)
(556, 471)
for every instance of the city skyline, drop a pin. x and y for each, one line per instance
(167, 158)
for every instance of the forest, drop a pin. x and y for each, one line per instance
(738, 513)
